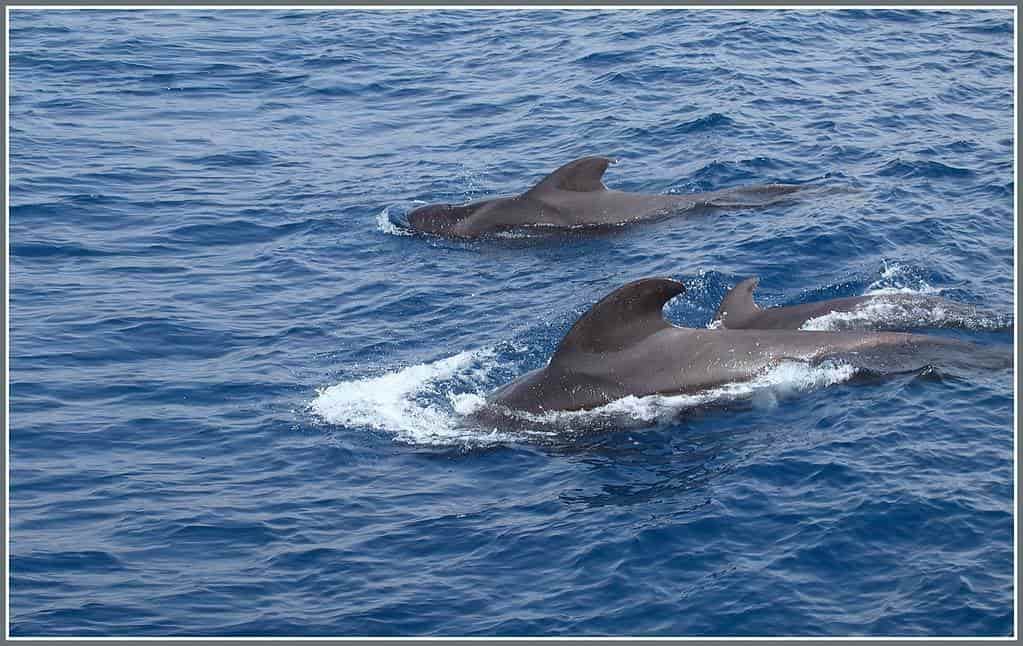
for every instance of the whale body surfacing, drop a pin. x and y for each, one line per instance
(574, 196)
(624, 346)
(738, 310)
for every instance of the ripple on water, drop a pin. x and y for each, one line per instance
(245, 401)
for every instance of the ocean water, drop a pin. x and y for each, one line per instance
(241, 392)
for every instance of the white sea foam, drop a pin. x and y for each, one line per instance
(433, 403)
(516, 234)
(764, 390)
(399, 402)
(905, 313)
(897, 278)
(878, 313)
(923, 288)
(386, 225)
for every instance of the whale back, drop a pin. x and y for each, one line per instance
(581, 176)
(622, 318)
(738, 305)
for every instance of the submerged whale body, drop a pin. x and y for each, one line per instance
(623, 346)
(574, 196)
(738, 310)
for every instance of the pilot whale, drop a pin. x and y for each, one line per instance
(624, 346)
(574, 196)
(738, 310)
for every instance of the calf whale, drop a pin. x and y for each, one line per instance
(624, 346)
(574, 196)
(738, 310)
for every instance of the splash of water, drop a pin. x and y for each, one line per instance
(436, 403)
(399, 402)
(882, 313)
(386, 223)
(894, 278)
(783, 380)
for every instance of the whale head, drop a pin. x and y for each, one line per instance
(499, 213)
(441, 219)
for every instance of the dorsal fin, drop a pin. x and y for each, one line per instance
(738, 304)
(626, 315)
(581, 175)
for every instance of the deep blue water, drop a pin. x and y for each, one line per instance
(237, 387)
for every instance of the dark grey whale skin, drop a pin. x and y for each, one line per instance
(574, 197)
(624, 346)
(738, 310)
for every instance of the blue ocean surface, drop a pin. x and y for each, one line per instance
(241, 392)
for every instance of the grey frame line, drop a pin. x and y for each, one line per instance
(427, 4)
